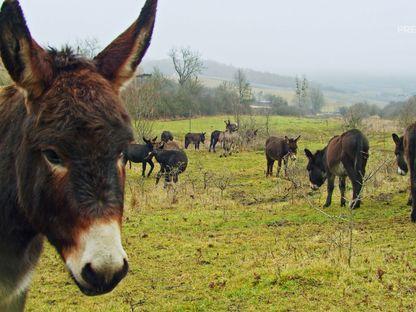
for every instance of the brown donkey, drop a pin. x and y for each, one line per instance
(62, 132)
(280, 149)
(345, 155)
(406, 161)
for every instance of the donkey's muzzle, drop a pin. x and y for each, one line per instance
(98, 261)
(401, 172)
(99, 282)
(314, 187)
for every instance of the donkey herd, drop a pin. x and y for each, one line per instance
(65, 139)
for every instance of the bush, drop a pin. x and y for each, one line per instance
(407, 115)
(353, 116)
(279, 106)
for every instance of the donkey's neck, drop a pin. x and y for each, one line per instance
(20, 245)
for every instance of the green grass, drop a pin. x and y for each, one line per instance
(257, 247)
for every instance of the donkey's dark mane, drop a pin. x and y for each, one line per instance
(66, 59)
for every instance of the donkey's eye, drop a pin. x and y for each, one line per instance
(52, 157)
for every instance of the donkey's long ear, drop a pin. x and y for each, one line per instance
(27, 63)
(118, 61)
(308, 153)
(396, 138)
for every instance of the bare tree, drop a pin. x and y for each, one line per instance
(301, 92)
(316, 98)
(140, 98)
(408, 113)
(88, 47)
(244, 92)
(187, 64)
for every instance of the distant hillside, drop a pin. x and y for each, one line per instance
(338, 90)
(220, 71)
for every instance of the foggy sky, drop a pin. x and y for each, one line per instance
(316, 37)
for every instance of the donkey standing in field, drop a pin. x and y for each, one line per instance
(345, 155)
(172, 163)
(229, 142)
(137, 153)
(194, 138)
(218, 136)
(250, 135)
(62, 133)
(280, 149)
(406, 160)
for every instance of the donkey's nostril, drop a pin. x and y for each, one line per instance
(105, 280)
(91, 277)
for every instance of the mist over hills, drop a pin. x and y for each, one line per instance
(339, 89)
(216, 70)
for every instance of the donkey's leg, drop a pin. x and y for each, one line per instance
(279, 167)
(357, 181)
(214, 144)
(330, 188)
(152, 166)
(159, 175)
(342, 184)
(167, 178)
(270, 163)
(144, 168)
(285, 161)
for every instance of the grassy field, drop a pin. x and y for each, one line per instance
(227, 238)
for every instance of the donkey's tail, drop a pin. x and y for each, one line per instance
(212, 143)
(360, 155)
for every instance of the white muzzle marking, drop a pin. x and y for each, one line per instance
(100, 246)
(314, 187)
(401, 172)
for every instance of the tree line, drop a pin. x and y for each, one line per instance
(156, 96)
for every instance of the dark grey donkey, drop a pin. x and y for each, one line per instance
(194, 138)
(138, 153)
(172, 163)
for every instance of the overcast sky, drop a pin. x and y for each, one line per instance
(313, 37)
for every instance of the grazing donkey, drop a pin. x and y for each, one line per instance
(231, 127)
(169, 146)
(195, 138)
(138, 153)
(280, 149)
(166, 136)
(250, 135)
(63, 130)
(217, 136)
(406, 161)
(172, 163)
(229, 142)
(345, 155)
